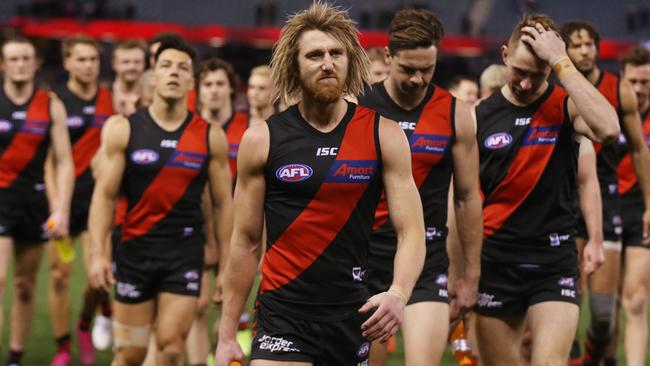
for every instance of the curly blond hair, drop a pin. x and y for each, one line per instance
(328, 19)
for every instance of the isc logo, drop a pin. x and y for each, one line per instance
(170, 144)
(324, 151)
(498, 140)
(523, 121)
(406, 126)
(144, 156)
(294, 172)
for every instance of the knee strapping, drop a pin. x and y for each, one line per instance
(125, 335)
(603, 309)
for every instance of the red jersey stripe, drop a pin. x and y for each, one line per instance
(25, 143)
(234, 132)
(625, 172)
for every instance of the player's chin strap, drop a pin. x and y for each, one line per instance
(125, 335)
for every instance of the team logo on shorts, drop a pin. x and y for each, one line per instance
(144, 156)
(498, 140)
(357, 274)
(352, 171)
(75, 121)
(294, 172)
(441, 280)
(363, 351)
(431, 144)
(192, 275)
(566, 282)
(5, 126)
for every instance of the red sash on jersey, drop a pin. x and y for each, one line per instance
(429, 143)
(528, 165)
(625, 172)
(320, 222)
(608, 86)
(171, 182)
(234, 132)
(26, 142)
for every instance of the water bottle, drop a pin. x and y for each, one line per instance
(460, 346)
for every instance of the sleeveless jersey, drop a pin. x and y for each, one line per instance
(24, 141)
(430, 130)
(628, 185)
(234, 129)
(85, 121)
(528, 169)
(322, 190)
(164, 177)
(607, 157)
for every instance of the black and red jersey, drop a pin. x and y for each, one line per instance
(628, 185)
(608, 157)
(234, 129)
(164, 176)
(528, 169)
(24, 141)
(430, 130)
(322, 190)
(85, 121)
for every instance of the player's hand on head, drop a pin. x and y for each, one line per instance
(228, 353)
(547, 44)
(593, 257)
(388, 315)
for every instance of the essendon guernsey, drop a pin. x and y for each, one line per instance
(235, 128)
(528, 164)
(430, 130)
(24, 140)
(628, 184)
(322, 190)
(164, 177)
(608, 156)
(85, 121)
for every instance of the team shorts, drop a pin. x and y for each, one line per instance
(612, 220)
(632, 215)
(430, 286)
(510, 289)
(279, 337)
(79, 208)
(25, 220)
(140, 277)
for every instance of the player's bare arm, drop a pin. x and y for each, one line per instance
(640, 154)
(405, 209)
(468, 210)
(245, 243)
(220, 194)
(63, 167)
(590, 112)
(100, 218)
(591, 206)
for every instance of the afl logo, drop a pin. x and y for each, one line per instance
(498, 140)
(144, 156)
(5, 126)
(294, 172)
(75, 121)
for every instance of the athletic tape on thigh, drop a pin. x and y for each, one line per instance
(125, 335)
(616, 246)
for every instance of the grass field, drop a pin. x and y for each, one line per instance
(41, 347)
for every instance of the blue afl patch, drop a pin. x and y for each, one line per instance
(498, 140)
(144, 156)
(294, 172)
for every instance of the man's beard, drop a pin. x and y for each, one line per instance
(327, 93)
